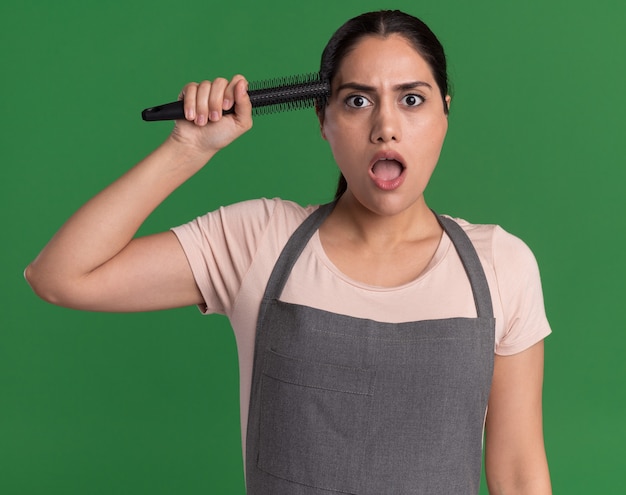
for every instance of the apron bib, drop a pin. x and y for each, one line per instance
(350, 405)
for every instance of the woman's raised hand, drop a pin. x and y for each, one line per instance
(205, 127)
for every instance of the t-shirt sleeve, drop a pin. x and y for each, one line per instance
(520, 292)
(220, 247)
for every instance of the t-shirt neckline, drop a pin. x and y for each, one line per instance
(435, 261)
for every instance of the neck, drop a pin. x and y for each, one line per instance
(363, 225)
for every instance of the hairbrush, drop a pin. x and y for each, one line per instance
(273, 95)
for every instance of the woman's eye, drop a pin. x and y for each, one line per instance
(357, 101)
(412, 100)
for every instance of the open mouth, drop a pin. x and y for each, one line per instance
(387, 171)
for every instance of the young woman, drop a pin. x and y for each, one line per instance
(366, 328)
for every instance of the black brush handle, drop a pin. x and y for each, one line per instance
(278, 95)
(169, 111)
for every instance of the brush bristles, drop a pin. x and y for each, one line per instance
(289, 93)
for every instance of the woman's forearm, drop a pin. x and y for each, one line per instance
(101, 228)
(515, 456)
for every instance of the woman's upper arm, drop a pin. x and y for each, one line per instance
(150, 273)
(515, 457)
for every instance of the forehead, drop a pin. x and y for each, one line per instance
(375, 58)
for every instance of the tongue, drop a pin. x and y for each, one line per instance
(387, 169)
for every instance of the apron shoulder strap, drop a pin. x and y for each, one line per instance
(292, 250)
(472, 265)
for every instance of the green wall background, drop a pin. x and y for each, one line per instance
(147, 403)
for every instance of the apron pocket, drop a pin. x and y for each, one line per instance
(313, 421)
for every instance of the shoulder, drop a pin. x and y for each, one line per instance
(249, 228)
(264, 208)
(274, 217)
(515, 282)
(497, 247)
(221, 246)
(253, 215)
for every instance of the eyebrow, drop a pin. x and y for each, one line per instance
(371, 89)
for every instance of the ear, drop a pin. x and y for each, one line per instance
(320, 118)
(448, 100)
(322, 132)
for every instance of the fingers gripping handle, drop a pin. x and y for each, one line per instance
(266, 97)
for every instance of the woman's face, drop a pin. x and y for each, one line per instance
(385, 123)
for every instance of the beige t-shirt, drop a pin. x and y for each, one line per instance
(232, 252)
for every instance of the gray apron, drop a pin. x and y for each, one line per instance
(350, 405)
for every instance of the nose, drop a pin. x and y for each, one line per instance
(386, 125)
